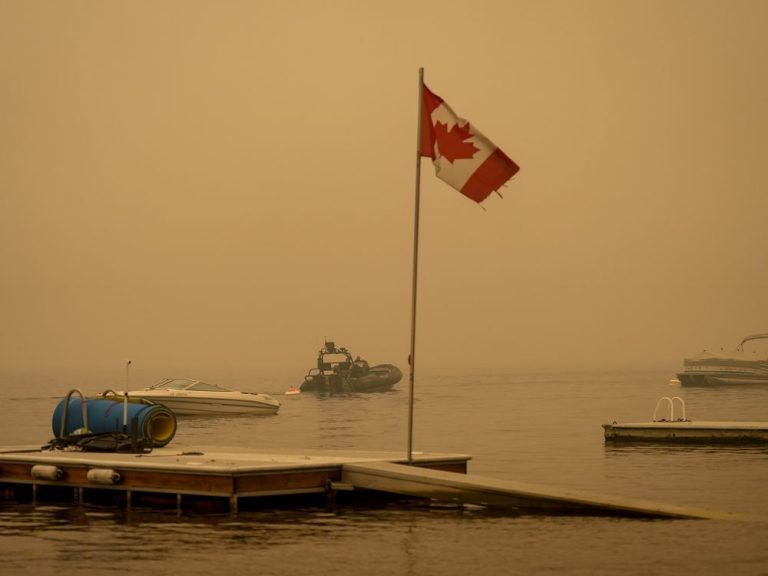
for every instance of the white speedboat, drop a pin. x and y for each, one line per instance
(185, 397)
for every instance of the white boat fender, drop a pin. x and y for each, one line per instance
(103, 476)
(46, 472)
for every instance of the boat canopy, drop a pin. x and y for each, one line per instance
(736, 358)
(753, 337)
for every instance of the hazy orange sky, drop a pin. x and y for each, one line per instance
(223, 184)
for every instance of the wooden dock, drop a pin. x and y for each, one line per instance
(688, 431)
(226, 479)
(217, 475)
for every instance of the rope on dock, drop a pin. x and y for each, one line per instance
(101, 442)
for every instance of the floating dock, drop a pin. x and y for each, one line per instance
(222, 479)
(684, 430)
(689, 431)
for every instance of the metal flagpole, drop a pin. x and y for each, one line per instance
(412, 356)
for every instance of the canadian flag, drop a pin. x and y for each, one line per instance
(463, 157)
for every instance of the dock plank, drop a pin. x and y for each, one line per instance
(470, 489)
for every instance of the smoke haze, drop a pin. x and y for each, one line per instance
(224, 184)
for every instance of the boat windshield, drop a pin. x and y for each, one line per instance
(186, 384)
(335, 358)
(205, 387)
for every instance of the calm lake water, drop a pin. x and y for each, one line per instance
(537, 428)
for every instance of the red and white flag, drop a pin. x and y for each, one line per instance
(463, 157)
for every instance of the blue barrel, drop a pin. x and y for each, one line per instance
(153, 422)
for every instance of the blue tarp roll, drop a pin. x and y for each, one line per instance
(153, 421)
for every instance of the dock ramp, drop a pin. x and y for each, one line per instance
(493, 493)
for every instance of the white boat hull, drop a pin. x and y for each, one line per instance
(188, 405)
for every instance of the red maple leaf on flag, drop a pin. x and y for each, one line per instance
(453, 143)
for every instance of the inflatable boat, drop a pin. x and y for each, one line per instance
(337, 371)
